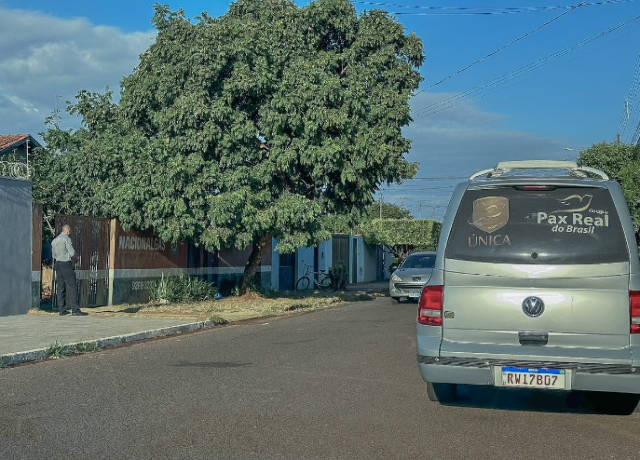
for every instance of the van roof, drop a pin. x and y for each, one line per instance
(571, 167)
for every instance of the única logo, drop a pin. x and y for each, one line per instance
(490, 213)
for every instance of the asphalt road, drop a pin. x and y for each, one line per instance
(341, 383)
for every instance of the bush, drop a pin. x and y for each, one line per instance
(339, 271)
(181, 289)
(229, 286)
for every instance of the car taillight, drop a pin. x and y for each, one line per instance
(634, 307)
(430, 306)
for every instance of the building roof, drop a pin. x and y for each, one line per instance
(11, 141)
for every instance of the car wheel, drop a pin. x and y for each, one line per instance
(442, 392)
(395, 300)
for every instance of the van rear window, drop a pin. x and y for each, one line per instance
(566, 225)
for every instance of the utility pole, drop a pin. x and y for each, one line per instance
(380, 205)
(419, 210)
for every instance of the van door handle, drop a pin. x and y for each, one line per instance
(533, 338)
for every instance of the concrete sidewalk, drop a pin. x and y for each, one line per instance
(28, 337)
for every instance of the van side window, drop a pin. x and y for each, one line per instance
(565, 225)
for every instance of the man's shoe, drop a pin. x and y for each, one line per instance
(79, 313)
(63, 313)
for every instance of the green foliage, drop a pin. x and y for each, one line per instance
(621, 162)
(181, 289)
(86, 348)
(261, 122)
(403, 236)
(387, 211)
(340, 273)
(217, 320)
(229, 286)
(58, 350)
(348, 223)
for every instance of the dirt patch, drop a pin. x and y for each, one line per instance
(47, 280)
(233, 309)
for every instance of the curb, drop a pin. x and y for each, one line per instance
(11, 359)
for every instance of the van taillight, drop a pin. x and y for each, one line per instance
(430, 306)
(535, 187)
(634, 306)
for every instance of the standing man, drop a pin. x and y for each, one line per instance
(63, 255)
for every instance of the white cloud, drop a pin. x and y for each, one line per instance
(43, 56)
(457, 143)
(464, 139)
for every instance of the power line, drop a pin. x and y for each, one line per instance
(502, 48)
(491, 85)
(441, 178)
(461, 11)
(631, 105)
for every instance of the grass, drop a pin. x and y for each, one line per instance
(59, 350)
(86, 348)
(233, 308)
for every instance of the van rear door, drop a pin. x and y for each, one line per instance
(541, 271)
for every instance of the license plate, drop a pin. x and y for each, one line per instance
(522, 377)
(414, 294)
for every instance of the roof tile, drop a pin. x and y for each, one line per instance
(8, 140)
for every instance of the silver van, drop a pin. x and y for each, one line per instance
(536, 285)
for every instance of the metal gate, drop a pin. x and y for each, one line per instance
(90, 238)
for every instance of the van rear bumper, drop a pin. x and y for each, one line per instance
(587, 377)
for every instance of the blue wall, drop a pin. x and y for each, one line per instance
(15, 246)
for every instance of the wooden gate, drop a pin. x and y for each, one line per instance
(90, 238)
(340, 250)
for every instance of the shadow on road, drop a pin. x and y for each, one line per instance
(544, 401)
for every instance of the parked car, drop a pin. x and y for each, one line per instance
(536, 285)
(411, 275)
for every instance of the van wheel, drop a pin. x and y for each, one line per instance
(395, 300)
(613, 403)
(442, 392)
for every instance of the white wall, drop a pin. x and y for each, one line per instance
(325, 259)
(306, 255)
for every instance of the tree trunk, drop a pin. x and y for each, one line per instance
(251, 267)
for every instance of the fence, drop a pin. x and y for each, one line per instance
(90, 236)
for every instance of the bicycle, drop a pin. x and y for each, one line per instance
(324, 280)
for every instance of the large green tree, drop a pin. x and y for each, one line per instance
(621, 162)
(256, 124)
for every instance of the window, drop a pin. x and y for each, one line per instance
(558, 225)
(419, 261)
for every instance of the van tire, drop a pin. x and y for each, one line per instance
(395, 300)
(613, 403)
(444, 393)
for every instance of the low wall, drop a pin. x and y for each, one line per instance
(139, 259)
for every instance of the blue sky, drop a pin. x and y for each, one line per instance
(554, 89)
